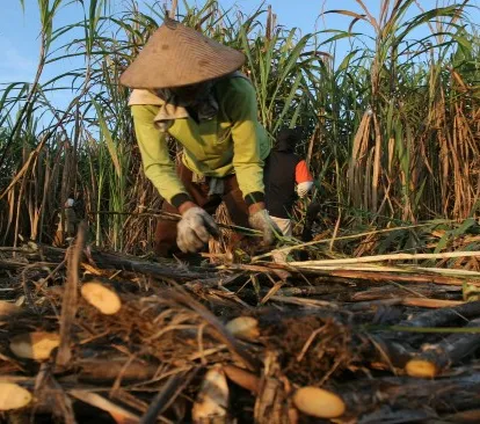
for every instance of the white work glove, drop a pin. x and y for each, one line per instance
(69, 203)
(194, 230)
(261, 221)
(304, 188)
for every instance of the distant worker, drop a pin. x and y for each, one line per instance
(67, 224)
(188, 86)
(71, 219)
(286, 175)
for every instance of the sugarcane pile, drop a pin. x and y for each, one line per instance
(88, 336)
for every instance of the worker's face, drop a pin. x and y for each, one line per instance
(189, 93)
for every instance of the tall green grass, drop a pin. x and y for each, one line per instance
(392, 129)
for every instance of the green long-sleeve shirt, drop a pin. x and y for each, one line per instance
(232, 142)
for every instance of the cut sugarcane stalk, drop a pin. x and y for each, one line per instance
(37, 345)
(421, 368)
(13, 396)
(452, 394)
(212, 400)
(318, 402)
(101, 297)
(244, 328)
(435, 358)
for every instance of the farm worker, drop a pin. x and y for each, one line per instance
(188, 86)
(286, 176)
(71, 220)
(68, 224)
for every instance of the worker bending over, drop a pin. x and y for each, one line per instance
(188, 86)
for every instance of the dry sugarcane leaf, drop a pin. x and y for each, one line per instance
(318, 402)
(273, 402)
(101, 297)
(167, 396)
(212, 400)
(70, 298)
(181, 297)
(119, 414)
(91, 269)
(37, 345)
(242, 377)
(245, 328)
(430, 303)
(13, 396)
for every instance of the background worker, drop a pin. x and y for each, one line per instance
(187, 85)
(67, 226)
(286, 175)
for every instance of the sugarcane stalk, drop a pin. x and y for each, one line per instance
(177, 217)
(438, 357)
(443, 395)
(444, 316)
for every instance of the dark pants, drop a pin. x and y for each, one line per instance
(166, 231)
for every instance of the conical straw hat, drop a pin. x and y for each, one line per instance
(176, 55)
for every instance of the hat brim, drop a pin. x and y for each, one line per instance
(176, 56)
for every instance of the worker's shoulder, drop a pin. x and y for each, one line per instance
(141, 97)
(236, 83)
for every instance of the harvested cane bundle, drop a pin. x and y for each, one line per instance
(318, 357)
(451, 394)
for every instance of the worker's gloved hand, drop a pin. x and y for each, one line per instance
(262, 221)
(194, 230)
(304, 188)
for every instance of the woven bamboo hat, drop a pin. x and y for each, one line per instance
(176, 55)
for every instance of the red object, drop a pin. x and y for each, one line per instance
(302, 174)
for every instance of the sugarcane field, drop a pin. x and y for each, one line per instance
(234, 212)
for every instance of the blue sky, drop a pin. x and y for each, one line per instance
(19, 29)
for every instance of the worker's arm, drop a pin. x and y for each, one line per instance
(240, 105)
(303, 178)
(158, 166)
(196, 225)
